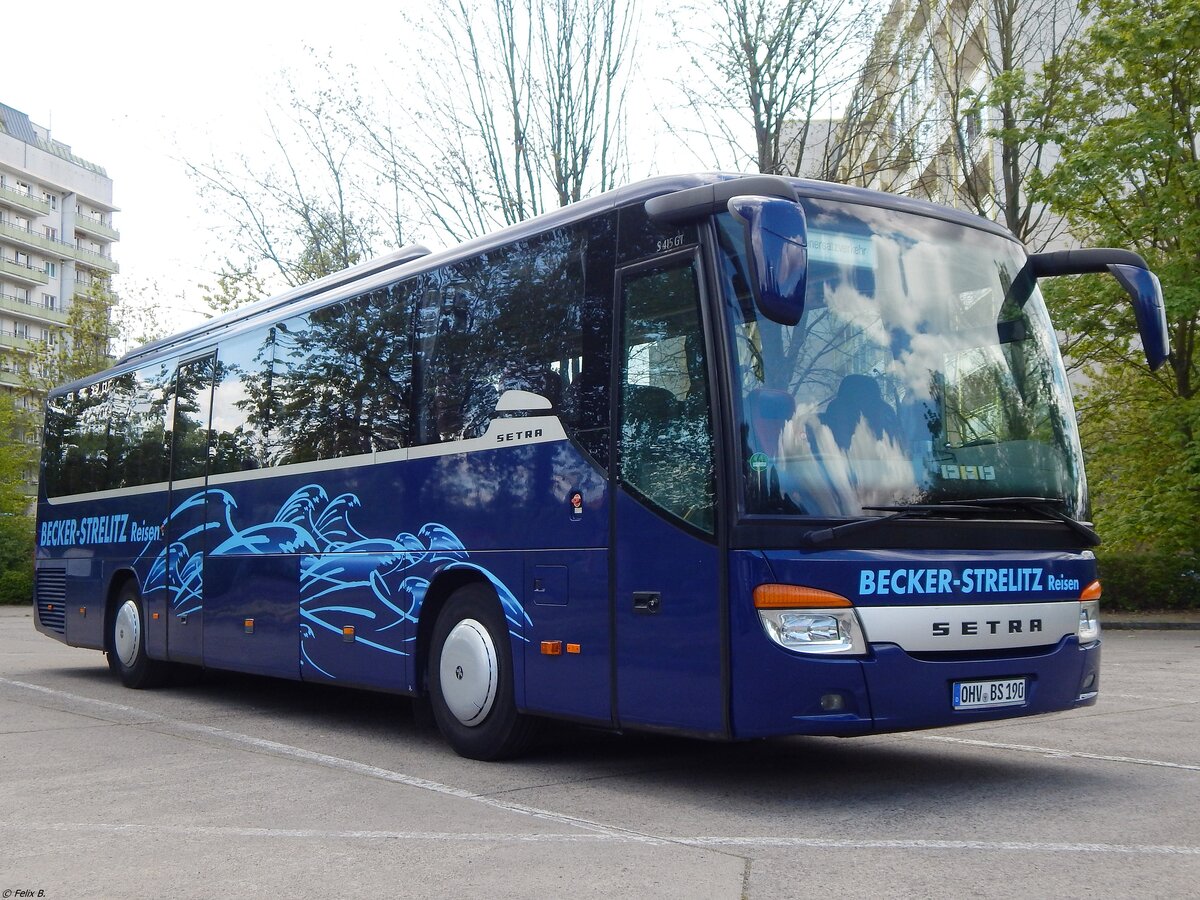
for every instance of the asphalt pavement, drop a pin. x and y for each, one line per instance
(244, 787)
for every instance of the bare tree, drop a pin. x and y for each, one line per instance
(771, 69)
(873, 143)
(515, 109)
(520, 111)
(303, 211)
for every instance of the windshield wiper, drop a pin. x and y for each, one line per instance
(1045, 506)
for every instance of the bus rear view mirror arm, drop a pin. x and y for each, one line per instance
(1134, 275)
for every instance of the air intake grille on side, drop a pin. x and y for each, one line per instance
(51, 594)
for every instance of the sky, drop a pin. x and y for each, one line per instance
(138, 87)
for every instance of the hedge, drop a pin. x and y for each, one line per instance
(1149, 581)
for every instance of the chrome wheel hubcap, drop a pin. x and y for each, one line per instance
(127, 634)
(468, 672)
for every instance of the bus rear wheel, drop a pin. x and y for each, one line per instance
(127, 643)
(471, 678)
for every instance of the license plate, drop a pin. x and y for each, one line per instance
(988, 694)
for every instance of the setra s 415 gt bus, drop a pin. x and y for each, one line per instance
(725, 456)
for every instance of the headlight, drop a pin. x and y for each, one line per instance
(815, 630)
(1089, 621)
(809, 620)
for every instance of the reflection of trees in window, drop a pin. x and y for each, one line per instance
(242, 417)
(342, 379)
(510, 319)
(137, 444)
(80, 429)
(190, 432)
(107, 435)
(806, 360)
(426, 360)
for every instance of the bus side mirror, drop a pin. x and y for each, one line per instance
(1134, 275)
(1149, 310)
(777, 253)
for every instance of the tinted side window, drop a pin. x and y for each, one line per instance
(137, 442)
(84, 441)
(107, 435)
(59, 427)
(531, 316)
(342, 379)
(243, 422)
(193, 405)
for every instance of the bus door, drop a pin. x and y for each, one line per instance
(186, 534)
(668, 613)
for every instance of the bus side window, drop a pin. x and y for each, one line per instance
(666, 448)
(190, 430)
(341, 383)
(136, 444)
(513, 318)
(242, 419)
(85, 460)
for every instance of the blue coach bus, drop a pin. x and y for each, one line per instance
(725, 456)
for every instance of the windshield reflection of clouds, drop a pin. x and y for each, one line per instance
(909, 378)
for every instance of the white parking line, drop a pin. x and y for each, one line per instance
(763, 842)
(1050, 751)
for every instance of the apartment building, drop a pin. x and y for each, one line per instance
(56, 235)
(916, 124)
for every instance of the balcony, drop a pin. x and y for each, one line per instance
(22, 272)
(11, 341)
(94, 260)
(31, 309)
(93, 227)
(23, 201)
(29, 239)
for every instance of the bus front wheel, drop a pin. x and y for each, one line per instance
(471, 678)
(127, 643)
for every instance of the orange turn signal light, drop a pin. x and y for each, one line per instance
(793, 596)
(1091, 592)
(552, 648)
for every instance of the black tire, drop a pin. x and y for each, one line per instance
(471, 678)
(127, 643)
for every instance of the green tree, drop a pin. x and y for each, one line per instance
(1129, 176)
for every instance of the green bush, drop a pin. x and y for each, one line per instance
(16, 585)
(16, 559)
(1149, 581)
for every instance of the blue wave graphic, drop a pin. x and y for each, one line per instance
(375, 584)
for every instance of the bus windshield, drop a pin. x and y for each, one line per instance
(924, 370)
